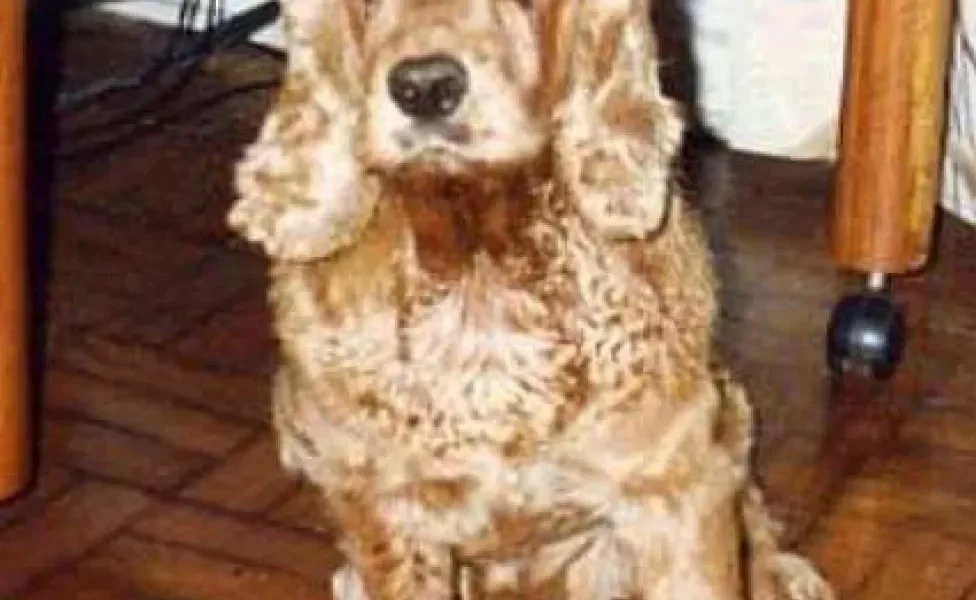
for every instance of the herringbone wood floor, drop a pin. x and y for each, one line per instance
(159, 479)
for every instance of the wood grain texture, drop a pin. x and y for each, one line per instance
(891, 137)
(14, 414)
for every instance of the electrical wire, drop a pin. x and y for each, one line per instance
(186, 62)
(184, 50)
(172, 55)
(94, 148)
(178, 63)
(141, 111)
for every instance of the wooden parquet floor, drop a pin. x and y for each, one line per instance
(159, 479)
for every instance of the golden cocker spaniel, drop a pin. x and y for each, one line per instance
(495, 313)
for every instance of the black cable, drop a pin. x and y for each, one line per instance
(93, 149)
(142, 110)
(155, 66)
(233, 31)
(179, 63)
(141, 118)
(217, 33)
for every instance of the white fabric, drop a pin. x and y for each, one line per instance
(959, 182)
(770, 74)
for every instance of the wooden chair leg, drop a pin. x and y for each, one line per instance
(891, 134)
(889, 168)
(15, 442)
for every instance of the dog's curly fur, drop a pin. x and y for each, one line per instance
(496, 328)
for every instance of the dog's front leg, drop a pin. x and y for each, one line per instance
(682, 552)
(776, 574)
(385, 564)
(394, 569)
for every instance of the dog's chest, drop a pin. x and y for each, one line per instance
(486, 386)
(485, 361)
(482, 364)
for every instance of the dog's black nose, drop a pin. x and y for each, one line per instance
(428, 87)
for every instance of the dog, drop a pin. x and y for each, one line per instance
(495, 312)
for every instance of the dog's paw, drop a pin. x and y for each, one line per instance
(347, 584)
(787, 576)
(289, 457)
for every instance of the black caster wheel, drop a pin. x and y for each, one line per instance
(866, 334)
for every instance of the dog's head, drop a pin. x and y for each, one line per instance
(377, 87)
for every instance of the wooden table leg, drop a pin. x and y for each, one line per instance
(15, 442)
(891, 134)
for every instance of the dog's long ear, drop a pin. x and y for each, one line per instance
(616, 134)
(556, 22)
(302, 191)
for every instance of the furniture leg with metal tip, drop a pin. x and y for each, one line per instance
(889, 169)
